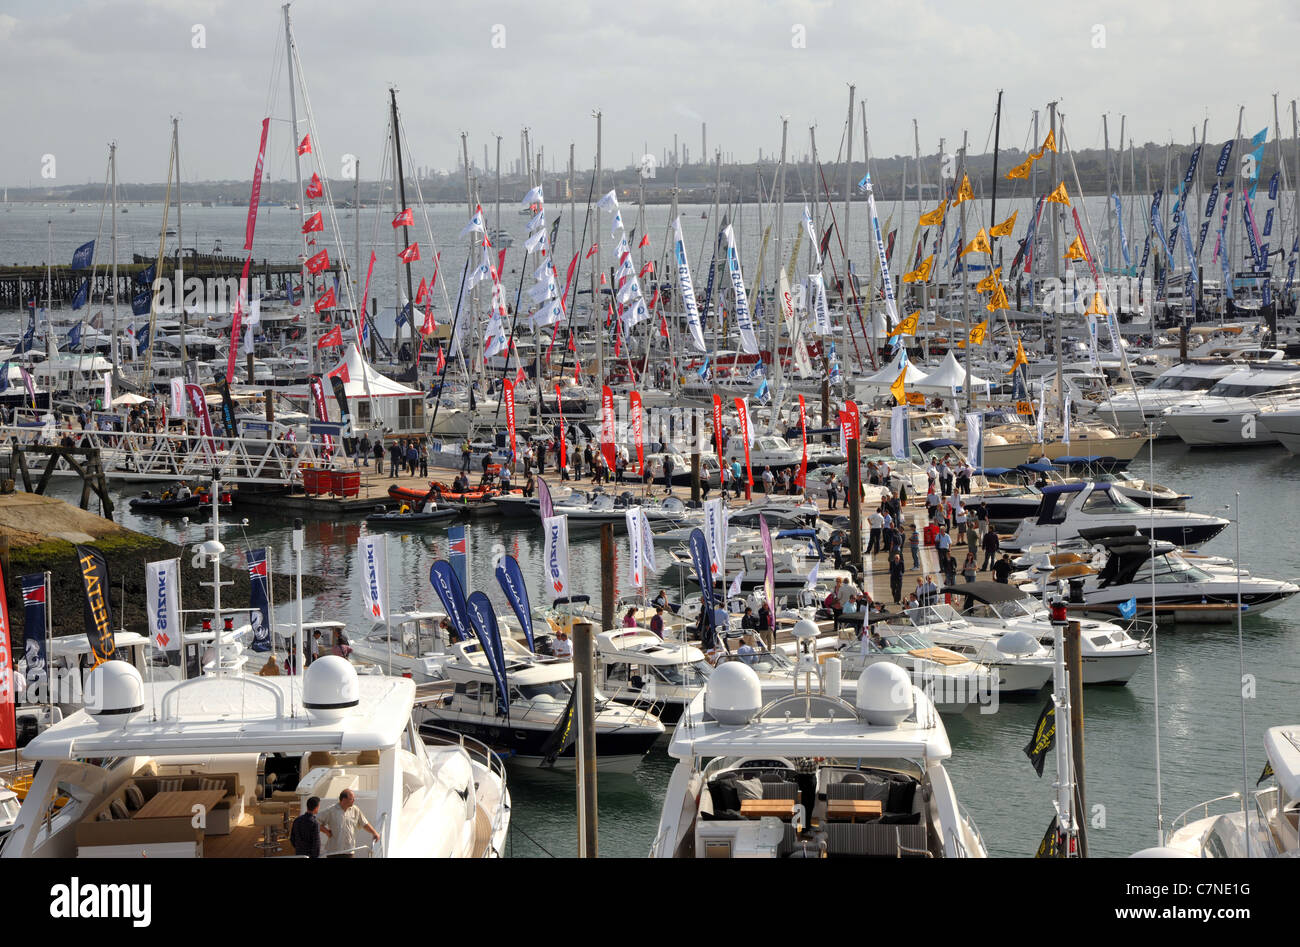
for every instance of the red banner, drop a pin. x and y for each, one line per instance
(255, 195)
(410, 254)
(321, 406)
(8, 696)
(240, 296)
(634, 405)
(315, 187)
(314, 224)
(318, 263)
(607, 425)
(327, 301)
(361, 315)
(332, 337)
(742, 414)
(802, 480)
(717, 427)
(559, 407)
(510, 412)
(405, 219)
(442, 361)
(199, 408)
(304, 146)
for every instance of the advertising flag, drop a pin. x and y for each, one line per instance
(748, 341)
(35, 629)
(742, 416)
(98, 612)
(8, 692)
(556, 556)
(687, 288)
(511, 579)
(638, 420)
(162, 597)
(483, 619)
(259, 598)
(451, 593)
(607, 425)
(374, 573)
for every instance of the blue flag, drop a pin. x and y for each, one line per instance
(484, 621)
(34, 618)
(703, 573)
(259, 599)
(142, 341)
(82, 256)
(458, 553)
(83, 294)
(74, 336)
(1128, 609)
(445, 583)
(146, 276)
(511, 579)
(140, 303)
(4, 377)
(404, 316)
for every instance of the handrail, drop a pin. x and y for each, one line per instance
(1204, 807)
(171, 697)
(488, 757)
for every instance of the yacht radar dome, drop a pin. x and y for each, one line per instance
(329, 688)
(734, 694)
(1017, 643)
(805, 629)
(114, 693)
(885, 695)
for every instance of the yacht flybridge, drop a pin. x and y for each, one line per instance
(767, 771)
(249, 751)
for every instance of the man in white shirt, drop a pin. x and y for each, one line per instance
(562, 647)
(875, 521)
(341, 822)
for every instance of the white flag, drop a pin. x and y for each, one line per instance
(975, 438)
(539, 220)
(617, 225)
(880, 252)
(748, 343)
(812, 234)
(538, 239)
(647, 544)
(735, 585)
(715, 535)
(533, 197)
(374, 572)
(108, 391)
(821, 311)
(475, 224)
(812, 577)
(544, 290)
(556, 555)
(179, 401)
(636, 540)
(1065, 432)
(749, 427)
(547, 314)
(687, 288)
(542, 271)
(255, 311)
(608, 201)
(162, 590)
(898, 432)
(631, 288)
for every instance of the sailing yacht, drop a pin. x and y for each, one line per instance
(244, 754)
(818, 769)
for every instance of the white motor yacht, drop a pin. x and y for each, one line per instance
(133, 765)
(635, 666)
(1067, 509)
(770, 770)
(1228, 414)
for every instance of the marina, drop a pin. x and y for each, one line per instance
(917, 481)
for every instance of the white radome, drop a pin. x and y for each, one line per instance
(114, 693)
(329, 688)
(734, 694)
(885, 695)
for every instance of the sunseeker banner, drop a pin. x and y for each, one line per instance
(687, 288)
(448, 588)
(259, 598)
(703, 570)
(483, 618)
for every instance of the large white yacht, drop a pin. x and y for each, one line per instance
(248, 752)
(767, 770)
(1137, 410)
(1265, 825)
(1281, 422)
(1070, 509)
(1228, 414)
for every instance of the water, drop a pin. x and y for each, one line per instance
(1200, 724)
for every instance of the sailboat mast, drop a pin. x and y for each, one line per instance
(297, 172)
(995, 243)
(597, 309)
(180, 245)
(965, 279)
(112, 163)
(406, 233)
(1056, 270)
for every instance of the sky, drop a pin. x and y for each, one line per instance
(83, 72)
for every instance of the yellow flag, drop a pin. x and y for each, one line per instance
(1098, 307)
(977, 333)
(1021, 171)
(964, 193)
(896, 389)
(1049, 143)
(979, 245)
(907, 327)
(1004, 229)
(990, 282)
(921, 273)
(1021, 358)
(1075, 250)
(1059, 196)
(998, 300)
(916, 398)
(934, 217)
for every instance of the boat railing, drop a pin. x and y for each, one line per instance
(479, 752)
(635, 700)
(1201, 811)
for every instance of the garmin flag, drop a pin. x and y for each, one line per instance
(511, 579)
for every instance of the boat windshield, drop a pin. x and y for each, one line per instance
(1169, 568)
(685, 675)
(895, 644)
(933, 614)
(1109, 501)
(1016, 608)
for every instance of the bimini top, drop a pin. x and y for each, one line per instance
(212, 716)
(1090, 459)
(1054, 488)
(991, 593)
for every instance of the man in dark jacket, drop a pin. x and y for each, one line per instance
(1002, 569)
(991, 546)
(896, 569)
(305, 834)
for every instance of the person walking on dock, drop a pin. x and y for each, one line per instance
(876, 521)
(424, 457)
(896, 570)
(379, 454)
(991, 546)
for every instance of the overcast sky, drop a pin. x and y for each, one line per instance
(80, 73)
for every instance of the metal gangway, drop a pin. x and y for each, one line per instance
(259, 455)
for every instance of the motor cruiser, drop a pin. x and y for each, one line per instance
(1068, 508)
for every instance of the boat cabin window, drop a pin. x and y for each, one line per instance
(557, 690)
(933, 614)
(1108, 501)
(616, 671)
(1168, 569)
(684, 675)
